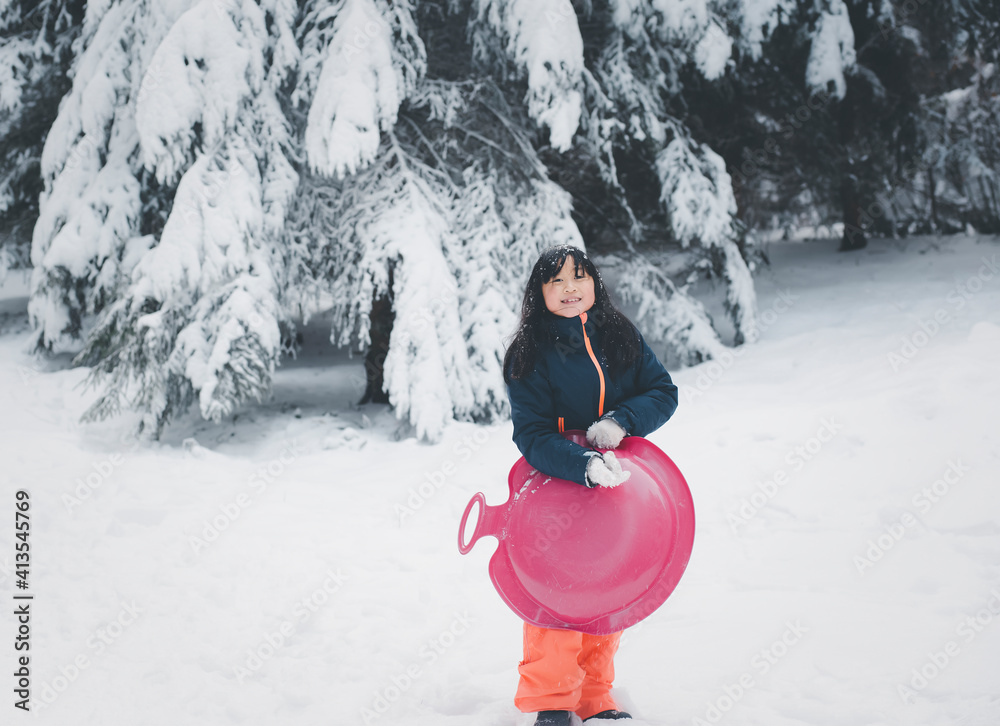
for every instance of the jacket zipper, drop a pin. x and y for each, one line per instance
(600, 373)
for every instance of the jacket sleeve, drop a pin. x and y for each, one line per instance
(536, 435)
(655, 402)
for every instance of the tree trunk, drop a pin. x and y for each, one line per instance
(381, 317)
(854, 234)
(931, 193)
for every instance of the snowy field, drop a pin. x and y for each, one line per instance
(298, 565)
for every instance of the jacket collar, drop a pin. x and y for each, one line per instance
(561, 327)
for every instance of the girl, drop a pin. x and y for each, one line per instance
(576, 362)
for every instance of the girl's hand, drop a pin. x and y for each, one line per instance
(605, 433)
(605, 470)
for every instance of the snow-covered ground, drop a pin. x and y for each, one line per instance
(298, 565)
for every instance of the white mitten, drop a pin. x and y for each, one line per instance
(605, 471)
(605, 433)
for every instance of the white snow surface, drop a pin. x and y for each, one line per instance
(296, 564)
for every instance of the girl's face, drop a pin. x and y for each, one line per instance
(568, 294)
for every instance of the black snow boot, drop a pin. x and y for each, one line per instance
(612, 714)
(554, 718)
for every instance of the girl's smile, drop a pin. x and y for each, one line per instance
(569, 293)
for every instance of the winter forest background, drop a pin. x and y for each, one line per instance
(258, 263)
(191, 181)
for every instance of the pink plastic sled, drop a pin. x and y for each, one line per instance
(593, 560)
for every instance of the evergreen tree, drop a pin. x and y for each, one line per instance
(36, 40)
(873, 149)
(956, 183)
(198, 318)
(219, 170)
(99, 210)
(196, 242)
(642, 178)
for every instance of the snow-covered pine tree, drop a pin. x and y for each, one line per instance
(629, 132)
(417, 201)
(198, 260)
(199, 317)
(542, 39)
(444, 224)
(505, 211)
(428, 233)
(98, 211)
(360, 60)
(820, 127)
(958, 178)
(385, 227)
(698, 194)
(666, 312)
(962, 156)
(919, 162)
(35, 52)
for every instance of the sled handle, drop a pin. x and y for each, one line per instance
(479, 498)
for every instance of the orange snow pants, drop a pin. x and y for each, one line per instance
(564, 670)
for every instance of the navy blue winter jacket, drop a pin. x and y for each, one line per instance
(564, 392)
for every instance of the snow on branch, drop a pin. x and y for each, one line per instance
(13, 71)
(681, 18)
(697, 192)
(500, 229)
(620, 92)
(832, 50)
(231, 345)
(199, 76)
(741, 296)
(372, 58)
(426, 371)
(426, 367)
(665, 313)
(758, 19)
(543, 37)
(691, 26)
(201, 312)
(215, 216)
(89, 210)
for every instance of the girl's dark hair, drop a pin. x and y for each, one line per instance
(620, 338)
